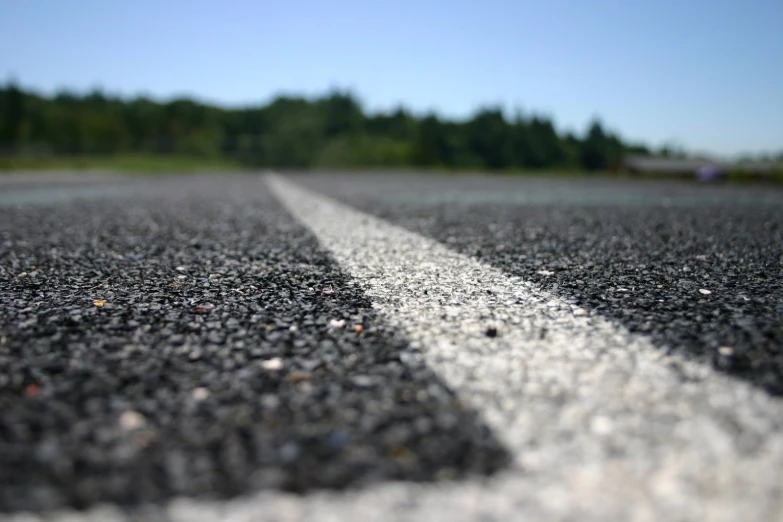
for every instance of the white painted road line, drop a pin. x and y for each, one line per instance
(601, 422)
(603, 425)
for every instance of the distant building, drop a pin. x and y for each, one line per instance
(700, 168)
(673, 166)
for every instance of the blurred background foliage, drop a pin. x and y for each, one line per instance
(293, 132)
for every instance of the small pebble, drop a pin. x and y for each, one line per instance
(704, 291)
(276, 363)
(337, 439)
(290, 452)
(32, 390)
(132, 420)
(445, 475)
(601, 425)
(200, 394)
(299, 377)
(363, 381)
(726, 351)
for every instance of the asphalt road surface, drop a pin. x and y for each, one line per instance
(389, 347)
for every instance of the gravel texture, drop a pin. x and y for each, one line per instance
(148, 356)
(192, 339)
(698, 269)
(602, 426)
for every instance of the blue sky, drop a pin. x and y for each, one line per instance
(707, 74)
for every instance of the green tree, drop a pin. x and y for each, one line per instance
(596, 148)
(431, 147)
(297, 132)
(12, 111)
(342, 115)
(490, 139)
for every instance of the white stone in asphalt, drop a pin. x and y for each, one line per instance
(603, 425)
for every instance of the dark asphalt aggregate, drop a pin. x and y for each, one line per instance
(192, 339)
(697, 268)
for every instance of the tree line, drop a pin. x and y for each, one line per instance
(328, 131)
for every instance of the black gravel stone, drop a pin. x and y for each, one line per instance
(194, 340)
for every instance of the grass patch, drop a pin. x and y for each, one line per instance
(744, 177)
(126, 163)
